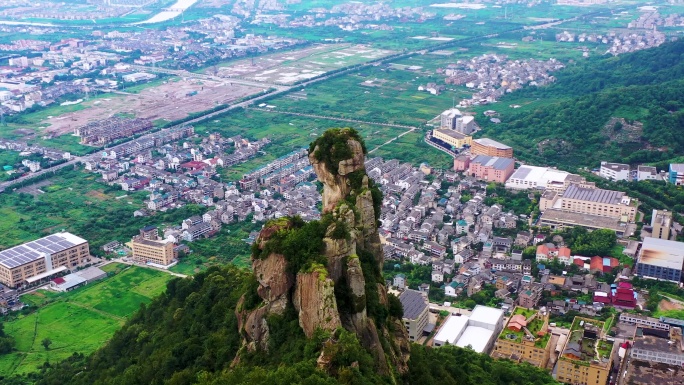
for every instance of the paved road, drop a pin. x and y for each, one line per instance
(73, 161)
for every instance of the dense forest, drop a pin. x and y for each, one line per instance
(626, 108)
(189, 335)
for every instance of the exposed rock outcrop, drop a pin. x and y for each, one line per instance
(330, 290)
(314, 300)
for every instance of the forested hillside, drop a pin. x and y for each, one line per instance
(627, 108)
(189, 335)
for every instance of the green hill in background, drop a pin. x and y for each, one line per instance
(623, 109)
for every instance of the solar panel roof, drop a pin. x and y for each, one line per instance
(34, 250)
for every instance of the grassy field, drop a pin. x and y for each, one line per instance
(224, 248)
(374, 95)
(80, 320)
(287, 133)
(77, 201)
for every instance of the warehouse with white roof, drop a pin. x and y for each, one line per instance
(479, 331)
(540, 178)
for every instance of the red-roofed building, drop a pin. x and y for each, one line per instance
(603, 264)
(563, 255)
(517, 322)
(623, 296)
(602, 297)
(194, 165)
(550, 252)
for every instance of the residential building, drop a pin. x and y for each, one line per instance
(586, 357)
(549, 252)
(152, 250)
(647, 173)
(491, 169)
(529, 297)
(603, 264)
(614, 171)
(453, 289)
(399, 281)
(525, 338)
(416, 311)
(42, 258)
(486, 146)
(660, 259)
(194, 232)
(666, 347)
(676, 174)
(479, 330)
(661, 222)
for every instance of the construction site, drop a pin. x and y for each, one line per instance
(105, 131)
(302, 64)
(172, 100)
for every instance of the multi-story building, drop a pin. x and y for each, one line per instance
(587, 356)
(452, 137)
(676, 174)
(661, 222)
(529, 296)
(593, 201)
(660, 259)
(663, 346)
(452, 119)
(486, 146)
(491, 169)
(614, 171)
(148, 248)
(42, 258)
(641, 320)
(550, 252)
(525, 338)
(647, 173)
(416, 311)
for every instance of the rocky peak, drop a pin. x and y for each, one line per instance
(329, 271)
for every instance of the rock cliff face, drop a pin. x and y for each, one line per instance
(341, 285)
(314, 300)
